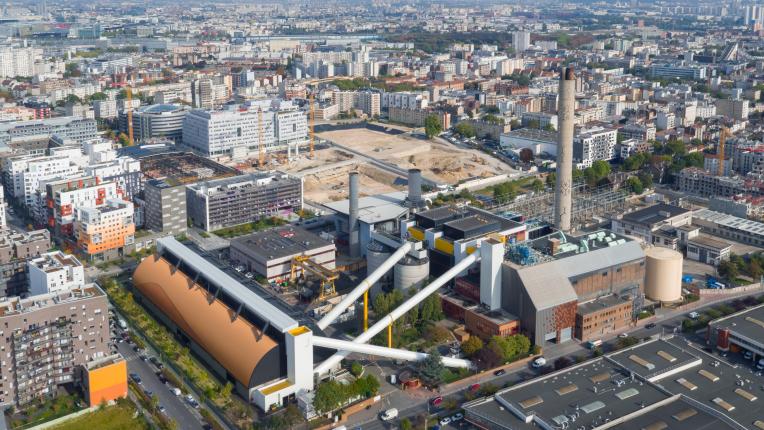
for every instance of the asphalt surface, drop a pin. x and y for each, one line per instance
(176, 407)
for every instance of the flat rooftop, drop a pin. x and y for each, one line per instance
(659, 384)
(732, 222)
(374, 209)
(748, 323)
(281, 242)
(654, 214)
(709, 243)
(600, 304)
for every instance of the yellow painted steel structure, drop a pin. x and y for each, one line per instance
(444, 245)
(365, 310)
(416, 233)
(390, 336)
(326, 276)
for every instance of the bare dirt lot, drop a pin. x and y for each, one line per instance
(438, 159)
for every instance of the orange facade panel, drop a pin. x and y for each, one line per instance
(107, 383)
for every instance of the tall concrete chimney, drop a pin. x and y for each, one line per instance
(415, 188)
(355, 246)
(565, 114)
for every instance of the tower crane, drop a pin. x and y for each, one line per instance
(129, 100)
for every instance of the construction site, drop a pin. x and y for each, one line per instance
(183, 167)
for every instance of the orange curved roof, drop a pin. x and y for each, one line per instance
(236, 344)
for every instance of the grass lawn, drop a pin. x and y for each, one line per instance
(46, 410)
(121, 416)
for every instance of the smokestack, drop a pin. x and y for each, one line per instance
(565, 114)
(415, 188)
(355, 248)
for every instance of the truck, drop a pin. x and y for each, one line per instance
(389, 414)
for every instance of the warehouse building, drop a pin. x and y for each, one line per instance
(241, 336)
(729, 227)
(270, 253)
(642, 223)
(660, 384)
(739, 332)
(228, 202)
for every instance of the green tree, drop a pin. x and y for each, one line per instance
(754, 269)
(472, 346)
(406, 424)
(646, 179)
(537, 185)
(98, 96)
(728, 269)
(465, 129)
(432, 126)
(635, 185)
(431, 368)
(124, 140)
(601, 168)
(71, 98)
(356, 369)
(329, 396)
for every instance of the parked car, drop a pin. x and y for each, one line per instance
(457, 417)
(176, 391)
(650, 326)
(748, 355)
(135, 378)
(436, 401)
(500, 372)
(249, 275)
(389, 414)
(192, 401)
(155, 361)
(474, 387)
(445, 421)
(539, 362)
(162, 410)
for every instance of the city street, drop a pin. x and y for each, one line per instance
(176, 407)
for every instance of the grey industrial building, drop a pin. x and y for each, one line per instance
(739, 332)
(659, 384)
(228, 202)
(165, 206)
(45, 340)
(269, 253)
(729, 227)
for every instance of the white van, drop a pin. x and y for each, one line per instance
(389, 414)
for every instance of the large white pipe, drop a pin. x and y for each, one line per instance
(381, 351)
(401, 310)
(358, 291)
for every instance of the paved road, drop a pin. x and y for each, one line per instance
(177, 409)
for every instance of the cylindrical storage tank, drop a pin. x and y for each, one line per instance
(376, 254)
(663, 274)
(411, 272)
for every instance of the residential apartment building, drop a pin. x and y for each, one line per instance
(64, 196)
(227, 202)
(734, 109)
(105, 109)
(18, 61)
(106, 232)
(682, 72)
(46, 337)
(416, 117)
(521, 41)
(640, 132)
(370, 103)
(15, 249)
(590, 145)
(698, 182)
(55, 272)
(24, 175)
(404, 100)
(165, 206)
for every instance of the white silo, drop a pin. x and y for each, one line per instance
(376, 254)
(411, 272)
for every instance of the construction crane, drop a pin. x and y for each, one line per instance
(326, 276)
(720, 151)
(312, 125)
(129, 101)
(261, 161)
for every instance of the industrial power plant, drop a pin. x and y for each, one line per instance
(498, 273)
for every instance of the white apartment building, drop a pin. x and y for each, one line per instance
(105, 109)
(405, 100)
(369, 102)
(3, 221)
(18, 61)
(665, 120)
(521, 40)
(345, 100)
(235, 134)
(55, 272)
(67, 199)
(24, 175)
(590, 145)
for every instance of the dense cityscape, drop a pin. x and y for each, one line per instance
(399, 214)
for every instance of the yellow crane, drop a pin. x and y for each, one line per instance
(129, 100)
(720, 151)
(260, 138)
(326, 276)
(312, 125)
